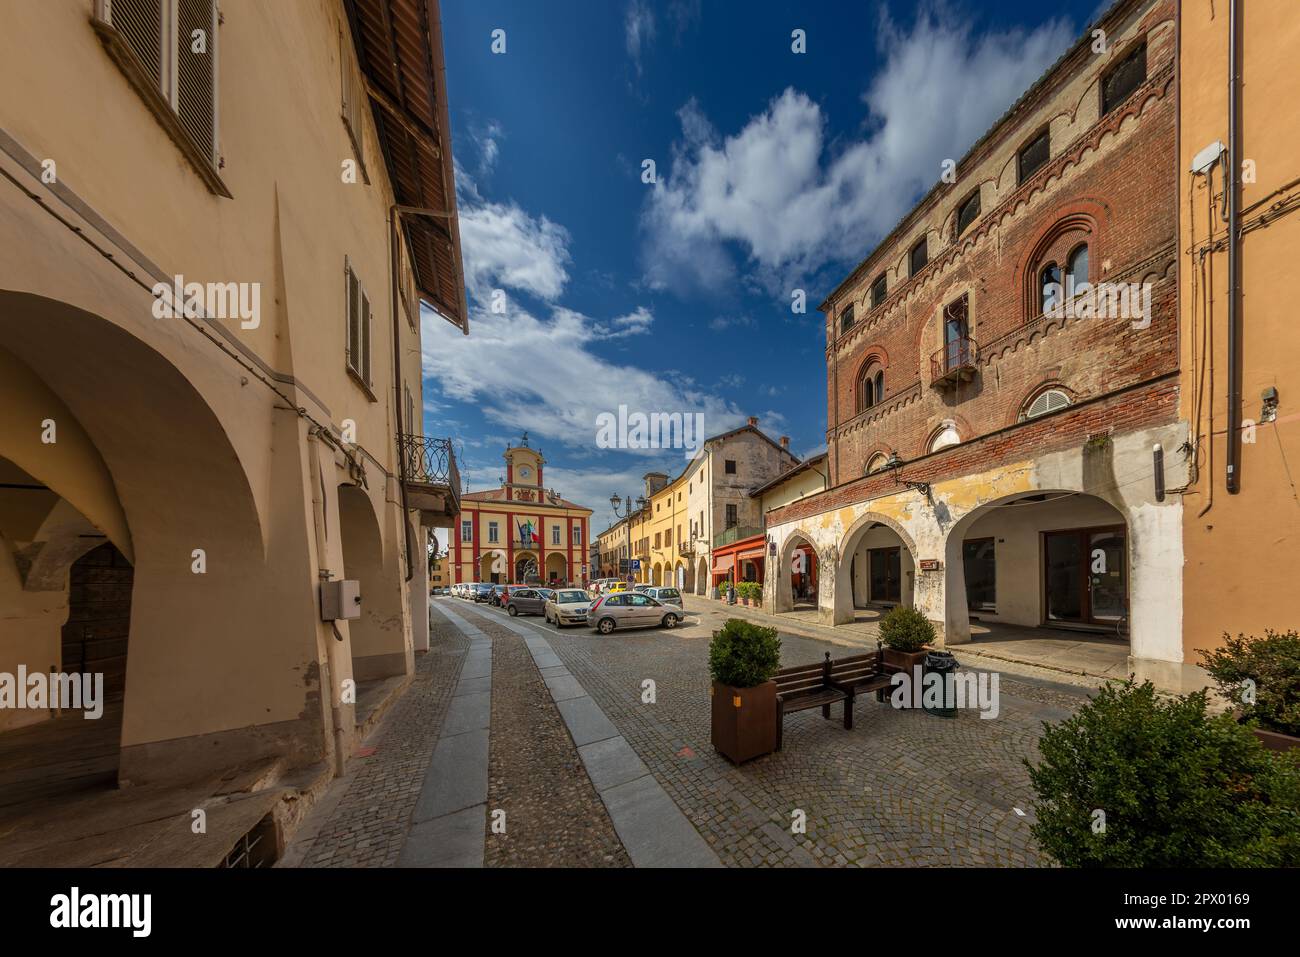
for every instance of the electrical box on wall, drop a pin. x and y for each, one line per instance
(340, 600)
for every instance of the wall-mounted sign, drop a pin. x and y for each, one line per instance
(930, 564)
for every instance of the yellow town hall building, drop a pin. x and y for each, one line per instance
(522, 532)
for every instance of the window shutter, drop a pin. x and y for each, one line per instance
(196, 94)
(354, 321)
(365, 337)
(140, 23)
(1050, 401)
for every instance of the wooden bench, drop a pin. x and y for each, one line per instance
(808, 686)
(861, 674)
(822, 684)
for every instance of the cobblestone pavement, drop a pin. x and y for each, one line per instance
(902, 788)
(370, 823)
(553, 815)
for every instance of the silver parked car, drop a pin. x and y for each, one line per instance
(631, 610)
(568, 606)
(668, 596)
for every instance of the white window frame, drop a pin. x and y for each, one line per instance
(577, 534)
(1052, 400)
(494, 533)
(555, 535)
(467, 530)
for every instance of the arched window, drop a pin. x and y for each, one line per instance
(875, 463)
(871, 387)
(1049, 400)
(1049, 288)
(1076, 272)
(945, 437)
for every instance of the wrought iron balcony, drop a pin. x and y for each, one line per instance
(432, 478)
(954, 363)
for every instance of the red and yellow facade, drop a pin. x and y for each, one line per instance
(522, 532)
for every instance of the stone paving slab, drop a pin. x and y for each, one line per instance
(586, 722)
(457, 776)
(469, 712)
(653, 830)
(611, 762)
(564, 686)
(453, 840)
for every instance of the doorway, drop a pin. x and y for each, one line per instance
(886, 575)
(1085, 576)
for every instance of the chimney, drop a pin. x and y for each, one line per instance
(753, 421)
(785, 442)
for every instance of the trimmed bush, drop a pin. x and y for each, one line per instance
(906, 629)
(751, 590)
(743, 654)
(1132, 780)
(1272, 665)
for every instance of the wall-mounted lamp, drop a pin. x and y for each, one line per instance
(894, 464)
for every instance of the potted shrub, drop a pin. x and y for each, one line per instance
(906, 634)
(1136, 780)
(750, 593)
(742, 659)
(1261, 676)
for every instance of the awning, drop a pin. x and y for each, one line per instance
(722, 564)
(750, 555)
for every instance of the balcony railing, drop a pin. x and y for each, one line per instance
(430, 466)
(954, 363)
(736, 533)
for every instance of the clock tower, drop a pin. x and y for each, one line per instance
(524, 472)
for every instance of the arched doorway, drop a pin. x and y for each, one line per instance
(377, 638)
(526, 571)
(797, 575)
(876, 570)
(702, 576)
(557, 569)
(1056, 561)
(657, 574)
(492, 567)
(679, 576)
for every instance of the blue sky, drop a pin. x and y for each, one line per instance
(775, 171)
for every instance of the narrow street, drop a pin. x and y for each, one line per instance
(557, 730)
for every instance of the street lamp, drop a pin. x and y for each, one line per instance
(894, 463)
(616, 503)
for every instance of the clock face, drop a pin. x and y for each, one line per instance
(525, 472)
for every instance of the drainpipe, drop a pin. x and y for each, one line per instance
(1234, 251)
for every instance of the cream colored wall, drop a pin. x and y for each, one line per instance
(1241, 550)
(265, 658)
(808, 482)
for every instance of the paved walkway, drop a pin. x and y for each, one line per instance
(1080, 658)
(512, 764)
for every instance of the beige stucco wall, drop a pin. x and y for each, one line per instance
(200, 450)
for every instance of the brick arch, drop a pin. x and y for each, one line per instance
(1088, 217)
(959, 422)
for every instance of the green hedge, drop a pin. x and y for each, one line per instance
(1261, 676)
(1172, 786)
(751, 590)
(743, 654)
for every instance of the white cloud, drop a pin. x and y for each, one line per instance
(504, 247)
(722, 323)
(639, 30)
(541, 375)
(793, 202)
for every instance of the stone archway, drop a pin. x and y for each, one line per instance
(557, 569)
(702, 576)
(795, 577)
(152, 448)
(657, 574)
(876, 567)
(492, 567)
(377, 638)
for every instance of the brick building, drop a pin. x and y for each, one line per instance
(1010, 350)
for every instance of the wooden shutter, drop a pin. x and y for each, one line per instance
(196, 93)
(140, 23)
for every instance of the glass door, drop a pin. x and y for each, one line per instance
(1107, 581)
(980, 568)
(1086, 576)
(1063, 554)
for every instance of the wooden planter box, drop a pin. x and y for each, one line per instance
(1276, 740)
(904, 660)
(744, 721)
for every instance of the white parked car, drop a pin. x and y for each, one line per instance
(568, 606)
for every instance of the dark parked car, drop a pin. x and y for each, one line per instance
(482, 592)
(497, 594)
(526, 601)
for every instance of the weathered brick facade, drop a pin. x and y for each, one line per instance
(1110, 183)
